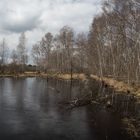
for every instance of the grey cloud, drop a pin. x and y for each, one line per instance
(28, 25)
(36, 17)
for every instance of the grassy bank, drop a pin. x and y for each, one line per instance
(119, 86)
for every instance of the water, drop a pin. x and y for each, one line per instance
(35, 108)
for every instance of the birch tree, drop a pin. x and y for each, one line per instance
(22, 52)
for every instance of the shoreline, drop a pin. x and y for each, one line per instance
(117, 85)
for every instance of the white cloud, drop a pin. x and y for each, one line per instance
(35, 17)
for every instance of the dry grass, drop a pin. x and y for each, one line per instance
(68, 76)
(119, 86)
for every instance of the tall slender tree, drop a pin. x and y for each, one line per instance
(21, 51)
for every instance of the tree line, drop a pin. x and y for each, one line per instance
(110, 48)
(16, 60)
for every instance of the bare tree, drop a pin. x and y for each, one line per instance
(67, 42)
(21, 51)
(82, 52)
(46, 45)
(3, 54)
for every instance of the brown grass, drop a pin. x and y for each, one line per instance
(68, 76)
(119, 85)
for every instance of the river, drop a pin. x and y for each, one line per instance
(35, 108)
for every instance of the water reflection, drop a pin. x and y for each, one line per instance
(30, 108)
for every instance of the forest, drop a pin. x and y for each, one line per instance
(111, 48)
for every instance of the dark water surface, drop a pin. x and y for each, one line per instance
(31, 108)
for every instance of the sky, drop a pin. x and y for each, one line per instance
(37, 17)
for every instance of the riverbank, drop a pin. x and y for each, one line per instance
(118, 86)
(25, 74)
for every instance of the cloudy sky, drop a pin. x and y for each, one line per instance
(36, 17)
